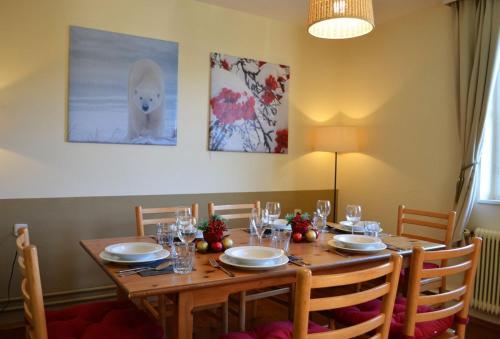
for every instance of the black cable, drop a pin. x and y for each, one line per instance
(4, 307)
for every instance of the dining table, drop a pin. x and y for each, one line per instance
(207, 285)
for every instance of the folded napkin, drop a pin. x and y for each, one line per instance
(167, 270)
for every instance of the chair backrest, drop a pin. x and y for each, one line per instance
(240, 208)
(305, 303)
(153, 216)
(31, 287)
(459, 297)
(435, 220)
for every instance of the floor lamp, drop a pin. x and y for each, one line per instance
(335, 139)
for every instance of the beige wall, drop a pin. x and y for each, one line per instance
(399, 86)
(37, 162)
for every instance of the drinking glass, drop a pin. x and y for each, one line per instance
(372, 228)
(274, 210)
(282, 239)
(353, 214)
(187, 233)
(184, 216)
(184, 260)
(162, 234)
(258, 221)
(323, 208)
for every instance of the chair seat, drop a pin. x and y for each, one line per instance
(274, 330)
(357, 314)
(104, 319)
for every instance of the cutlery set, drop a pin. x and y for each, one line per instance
(132, 271)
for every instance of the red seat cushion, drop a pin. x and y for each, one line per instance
(274, 330)
(104, 319)
(357, 314)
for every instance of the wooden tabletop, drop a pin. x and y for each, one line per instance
(317, 254)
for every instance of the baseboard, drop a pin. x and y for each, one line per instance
(490, 321)
(12, 317)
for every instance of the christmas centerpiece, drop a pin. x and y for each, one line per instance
(213, 235)
(302, 227)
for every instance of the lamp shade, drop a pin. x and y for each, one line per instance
(340, 19)
(335, 139)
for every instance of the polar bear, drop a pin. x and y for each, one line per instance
(146, 100)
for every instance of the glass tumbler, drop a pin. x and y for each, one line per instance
(282, 239)
(184, 259)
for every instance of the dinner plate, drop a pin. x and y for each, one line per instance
(343, 227)
(134, 250)
(118, 260)
(280, 224)
(225, 259)
(339, 246)
(357, 241)
(254, 255)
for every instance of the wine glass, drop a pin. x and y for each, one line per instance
(258, 222)
(274, 210)
(186, 229)
(353, 214)
(323, 208)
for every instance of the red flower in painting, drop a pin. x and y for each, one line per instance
(281, 141)
(268, 97)
(228, 107)
(271, 83)
(225, 65)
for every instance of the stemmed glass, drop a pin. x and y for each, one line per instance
(353, 214)
(323, 208)
(274, 210)
(258, 221)
(186, 229)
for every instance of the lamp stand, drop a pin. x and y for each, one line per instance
(335, 191)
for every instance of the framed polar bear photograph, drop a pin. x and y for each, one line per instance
(122, 89)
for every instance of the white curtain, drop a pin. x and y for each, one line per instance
(490, 158)
(479, 33)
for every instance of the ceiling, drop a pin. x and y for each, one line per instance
(295, 11)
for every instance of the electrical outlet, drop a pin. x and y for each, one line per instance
(16, 228)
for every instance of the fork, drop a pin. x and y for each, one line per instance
(133, 271)
(215, 264)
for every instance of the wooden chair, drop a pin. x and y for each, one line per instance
(152, 216)
(163, 215)
(442, 222)
(244, 211)
(34, 311)
(304, 303)
(460, 296)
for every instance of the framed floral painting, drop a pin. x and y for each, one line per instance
(248, 105)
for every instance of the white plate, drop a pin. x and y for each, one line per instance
(357, 241)
(339, 246)
(254, 255)
(133, 250)
(283, 260)
(344, 227)
(116, 259)
(281, 224)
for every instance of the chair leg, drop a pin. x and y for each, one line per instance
(225, 317)
(243, 301)
(162, 312)
(291, 302)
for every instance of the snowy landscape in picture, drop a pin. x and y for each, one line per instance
(122, 89)
(248, 105)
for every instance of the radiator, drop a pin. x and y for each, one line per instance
(487, 285)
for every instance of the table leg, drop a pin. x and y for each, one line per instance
(185, 307)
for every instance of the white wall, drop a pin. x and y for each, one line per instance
(36, 160)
